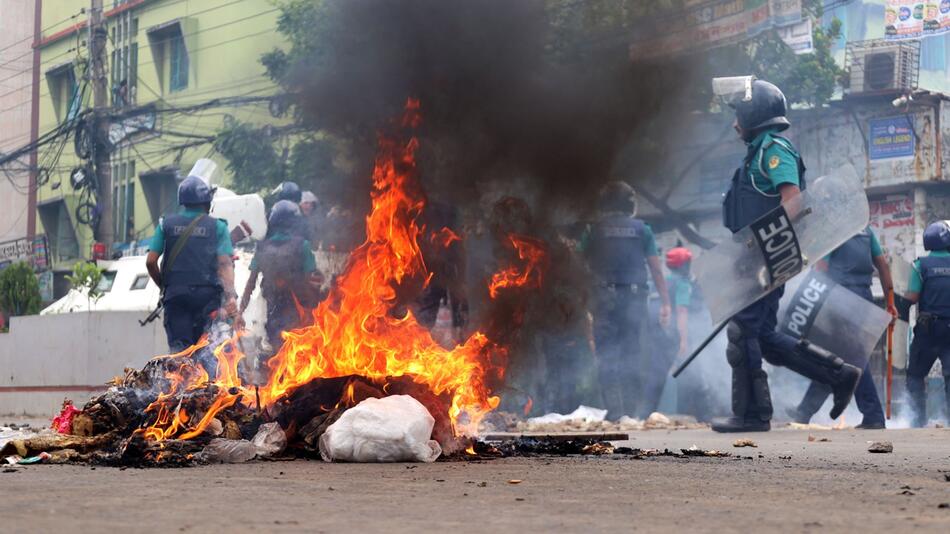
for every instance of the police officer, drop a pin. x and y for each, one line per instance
(771, 172)
(289, 270)
(620, 250)
(929, 288)
(196, 271)
(291, 192)
(288, 191)
(852, 265)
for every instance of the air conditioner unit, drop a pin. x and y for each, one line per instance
(882, 67)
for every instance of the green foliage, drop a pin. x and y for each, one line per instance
(19, 290)
(252, 157)
(259, 158)
(86, 278)
(808, 79)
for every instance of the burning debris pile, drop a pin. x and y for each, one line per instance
(363, 342)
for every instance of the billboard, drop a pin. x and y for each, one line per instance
(892, 137)
(913, 19)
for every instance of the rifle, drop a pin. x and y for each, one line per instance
(155, 313)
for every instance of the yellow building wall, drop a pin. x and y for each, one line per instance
(224, 40)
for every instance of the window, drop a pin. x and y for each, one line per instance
(125, 57)
(169, 43)
(59, 230)
(64, 91)
(178, 64)
(105, 283)
(139, 283)
(123, 200)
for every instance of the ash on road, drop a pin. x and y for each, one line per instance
(789, 484)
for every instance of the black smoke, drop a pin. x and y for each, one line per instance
(510, 90)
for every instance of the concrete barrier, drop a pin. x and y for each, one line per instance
(44, 359)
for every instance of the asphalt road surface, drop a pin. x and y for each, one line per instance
(787, 484)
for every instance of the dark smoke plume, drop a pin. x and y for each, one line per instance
(504, 95)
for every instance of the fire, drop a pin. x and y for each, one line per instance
(532, 252)
(445, 237)
(355, 330)
(359, 328)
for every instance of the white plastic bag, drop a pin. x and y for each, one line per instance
(228, 451)
(392, 429)
(270, 439)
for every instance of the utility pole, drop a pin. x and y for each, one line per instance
(98, 35)
(34, 122)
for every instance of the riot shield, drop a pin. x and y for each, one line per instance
(769, 252)
(829, 315)
(900, 274)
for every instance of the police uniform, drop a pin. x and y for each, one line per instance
(930, 279)
(191, 287)
(851, 265)
(771, 161)
(285, 261)
(617, 248)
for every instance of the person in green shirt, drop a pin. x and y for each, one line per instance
(852, 266)
(290, 276)
(771, 175)
(196, 273)
(678, 261)
(929, 289)
(621, 253)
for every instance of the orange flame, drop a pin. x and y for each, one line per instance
(445, 237)
(356, 330)
(528, 275)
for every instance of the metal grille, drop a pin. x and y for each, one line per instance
(882, 67)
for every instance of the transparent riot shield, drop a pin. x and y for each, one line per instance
(900, 273)
(829, 315)
(769, 252)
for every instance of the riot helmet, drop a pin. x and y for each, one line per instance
(758, 103)
(283, 215)
(677, 257)
(766, 108)
(617, 196)
(937, 236)
(288, 191)
(194, 190)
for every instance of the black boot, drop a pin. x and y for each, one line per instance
(820, 365)
(746, 391)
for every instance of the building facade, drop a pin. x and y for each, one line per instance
(16, 104)
(178, 71)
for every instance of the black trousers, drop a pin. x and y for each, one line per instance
(188, 315)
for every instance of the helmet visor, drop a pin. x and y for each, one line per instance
(733, 89)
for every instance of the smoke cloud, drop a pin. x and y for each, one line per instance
(507, 95)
